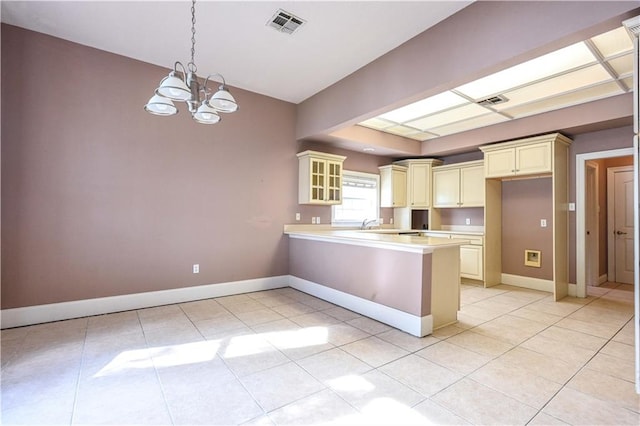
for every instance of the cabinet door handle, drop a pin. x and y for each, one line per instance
(621, 233)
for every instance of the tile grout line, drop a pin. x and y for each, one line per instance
(77, 391)
(155, 369)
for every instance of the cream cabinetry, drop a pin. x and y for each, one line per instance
(459, 185)
(319, 178)
(548, 156)
(419, 181)
(471, 255)
(518, 159)
(393, 186)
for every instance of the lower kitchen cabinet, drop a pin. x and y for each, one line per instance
(471, 255)
(471, 262)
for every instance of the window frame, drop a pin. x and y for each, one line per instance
(358, 223)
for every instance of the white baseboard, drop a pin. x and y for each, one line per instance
(573, 290)
(527, 282)
(417, 326)
(603, 279)
(30, 315)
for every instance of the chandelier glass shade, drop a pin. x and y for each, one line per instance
(183, 85)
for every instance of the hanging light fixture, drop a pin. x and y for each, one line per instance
(203, 105)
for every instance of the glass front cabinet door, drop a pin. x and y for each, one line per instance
(319, 178)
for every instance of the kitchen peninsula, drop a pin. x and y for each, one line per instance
(410, 282)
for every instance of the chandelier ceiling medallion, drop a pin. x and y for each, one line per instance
(204, 108)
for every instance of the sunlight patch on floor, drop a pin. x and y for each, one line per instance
(197, 352)
(351, 383)
(162, 356)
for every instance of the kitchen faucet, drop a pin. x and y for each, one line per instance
(367, 224)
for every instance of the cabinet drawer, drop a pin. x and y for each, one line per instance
(473, 239)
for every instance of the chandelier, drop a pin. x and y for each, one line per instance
(203, 105)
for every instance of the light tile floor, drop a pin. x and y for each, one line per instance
(284, 357)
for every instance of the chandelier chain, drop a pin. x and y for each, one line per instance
(192, 65)
(182, 84)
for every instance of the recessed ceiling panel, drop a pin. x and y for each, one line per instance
(377, 123)
(555, 86)
(567, 77)
(473, 123)
(622, 65)
(422, 136)
(544, 66)
(613, 42)
(401, 130)
(424, 107)
(464, 112)
(574, 98)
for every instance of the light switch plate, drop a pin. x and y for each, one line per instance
(572, 207)
(543, 223)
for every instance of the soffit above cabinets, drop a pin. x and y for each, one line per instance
(592, 69)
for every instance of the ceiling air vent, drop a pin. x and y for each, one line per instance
(494, 100)
(633, 25)
(285, 22)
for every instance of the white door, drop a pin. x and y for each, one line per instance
(591, 221)
(623, 226)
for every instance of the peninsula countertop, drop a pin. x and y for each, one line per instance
(384, 238)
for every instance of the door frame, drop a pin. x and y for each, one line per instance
(611, 267)
(581, 161)
(592, 253)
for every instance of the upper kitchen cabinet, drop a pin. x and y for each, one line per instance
(393, 186)
(532, 156)
(419, 181)
(459, 185)
(319, 178)
(540, 156)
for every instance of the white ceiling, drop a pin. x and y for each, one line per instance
(232, 38)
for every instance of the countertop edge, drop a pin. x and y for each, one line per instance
(412, 244)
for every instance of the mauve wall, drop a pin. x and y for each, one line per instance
(456, 217)
(100, 198)
(524, 203)
(397, 279)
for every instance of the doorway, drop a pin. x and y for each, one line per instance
(581, 214)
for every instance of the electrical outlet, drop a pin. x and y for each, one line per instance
(543, 223)
(572, 207)
(391, 221)
(318, 220)
(381, 220)
(297, 216)
(313, 220)
(196, 268)
(467, 221)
